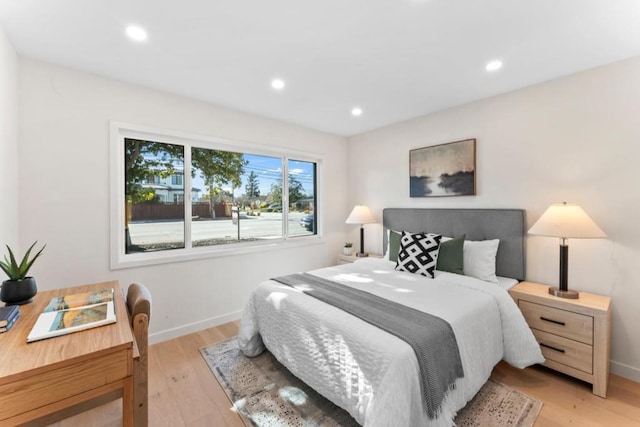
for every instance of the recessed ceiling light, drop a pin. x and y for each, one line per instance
(136, 33)
(277, 84)
(356, 111)
(494, 65)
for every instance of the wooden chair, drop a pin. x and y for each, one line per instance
(139, 308)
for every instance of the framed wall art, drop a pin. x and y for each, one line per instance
(443, 170)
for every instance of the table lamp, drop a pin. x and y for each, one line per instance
(361, 215)
(565, 221)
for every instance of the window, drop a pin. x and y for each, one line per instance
(302, 194)
(238, 197)
(152, 179)
(151, 223)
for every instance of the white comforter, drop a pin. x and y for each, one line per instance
(371, 373)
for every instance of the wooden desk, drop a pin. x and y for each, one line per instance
(57, 374)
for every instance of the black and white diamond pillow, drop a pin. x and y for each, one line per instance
(418, 253)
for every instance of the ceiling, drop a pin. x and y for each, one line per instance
(395, 59)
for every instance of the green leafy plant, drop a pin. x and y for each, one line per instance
(17, 271)
(348, 244)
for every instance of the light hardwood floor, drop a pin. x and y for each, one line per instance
(184, 392)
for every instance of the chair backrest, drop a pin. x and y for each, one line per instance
(138, 301)
(139, 307)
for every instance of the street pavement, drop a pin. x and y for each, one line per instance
(267, 225)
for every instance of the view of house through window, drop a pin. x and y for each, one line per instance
(153, 218)
(233, 197)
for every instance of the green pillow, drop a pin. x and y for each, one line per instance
(394, 245)
(450, 256)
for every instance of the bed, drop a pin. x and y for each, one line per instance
(373, 374)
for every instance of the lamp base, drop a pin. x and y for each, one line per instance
(362, 254)
(564, 294)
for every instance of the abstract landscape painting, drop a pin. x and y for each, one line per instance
(443, 170)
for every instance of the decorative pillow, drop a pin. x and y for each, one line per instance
(451, 255)
(393, 246)
(418, 253)
(480, 259)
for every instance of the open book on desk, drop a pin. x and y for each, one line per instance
(55, 322)
(80, 300)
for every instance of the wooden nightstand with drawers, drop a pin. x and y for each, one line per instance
(574, 334)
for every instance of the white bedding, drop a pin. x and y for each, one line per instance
(506, 283)
(370, 373)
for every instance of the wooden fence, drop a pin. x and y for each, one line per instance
(151, 211)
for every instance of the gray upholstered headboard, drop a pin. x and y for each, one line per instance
(508, 225)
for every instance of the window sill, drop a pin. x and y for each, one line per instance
(122, 261)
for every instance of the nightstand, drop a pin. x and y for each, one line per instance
(574, 334)
(348, 259)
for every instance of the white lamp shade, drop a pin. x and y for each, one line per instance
(566, 221)
(360, 215)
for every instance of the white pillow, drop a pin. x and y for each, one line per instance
(480, 259)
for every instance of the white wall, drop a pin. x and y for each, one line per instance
(574, 139)
(8, 145)
(64, 193)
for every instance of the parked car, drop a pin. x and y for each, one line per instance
(307, 221)
(274, 208)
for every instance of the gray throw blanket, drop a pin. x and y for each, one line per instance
(431, 337)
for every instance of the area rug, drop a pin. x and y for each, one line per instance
(265, 394)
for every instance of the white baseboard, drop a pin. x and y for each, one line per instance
(168, 334)
(626, 371)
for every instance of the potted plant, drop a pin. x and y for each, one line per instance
(20, 288)
(348, 248)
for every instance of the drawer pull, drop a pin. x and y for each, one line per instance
(552, 347)
(552, 321)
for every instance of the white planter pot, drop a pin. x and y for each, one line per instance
(347, 251)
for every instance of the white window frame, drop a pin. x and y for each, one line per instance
(119, 131)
